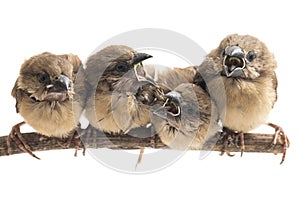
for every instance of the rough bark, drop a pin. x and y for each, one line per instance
(254, 142)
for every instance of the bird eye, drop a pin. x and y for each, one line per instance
(251, 56)
(43, 77)
(121, 67)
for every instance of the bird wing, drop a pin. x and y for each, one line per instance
(15, 94)
(188, 73)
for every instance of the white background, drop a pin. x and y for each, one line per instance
(32, 27)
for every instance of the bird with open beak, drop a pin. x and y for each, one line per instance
(247, 70)
(115, 75)
(44, 93)
(116, 103)
(187, 119)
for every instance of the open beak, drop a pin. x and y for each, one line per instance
(164, 114)
(170, 111)
(59, 89)
(61, 84)
(161, 112)
(139, 70)
(234, 62)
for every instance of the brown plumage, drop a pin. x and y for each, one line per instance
(115, 75)
(187, 119)
(121, 95)
(247, 70)
(166, 79)
(44, 93)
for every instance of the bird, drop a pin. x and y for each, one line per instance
(166, 79)
(115, 75)
(188, 118)
(44, 94)
(123, 90)
(115, 103)
(245, 68)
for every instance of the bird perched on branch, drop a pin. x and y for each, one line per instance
(187, 119)
(115, 75)
(247, 70)
(115, 103)
(44, 93)
(122, 90)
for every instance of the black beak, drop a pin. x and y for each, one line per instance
(61, 84)
(139, 70)
(139, 57)
(235, 51)
(234, 62)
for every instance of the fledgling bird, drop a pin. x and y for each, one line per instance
(187, 119)
(247, 70)
(44, 93)
(115, 75)
(166, 79)
(122, 90)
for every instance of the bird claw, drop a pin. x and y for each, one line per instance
(77, 142)
(227, 153)
(153, 140)
(16, 136)
(228, 138)
(242, 139)
(286, 143)
(139, 160)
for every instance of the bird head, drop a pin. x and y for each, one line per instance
(243, 56)
(114, 63)
(139, 70)
(171, 109)
(187, 118)
(47, 77)
(180, 112)
(129, 61)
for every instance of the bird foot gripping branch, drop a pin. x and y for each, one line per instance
(229, 137)
(16, 136)
(232, 139)
(44, 93)
(242, 64)
(247, 70)
(74, 135)
(285, 140)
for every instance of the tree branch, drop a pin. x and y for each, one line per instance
(254, 142)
